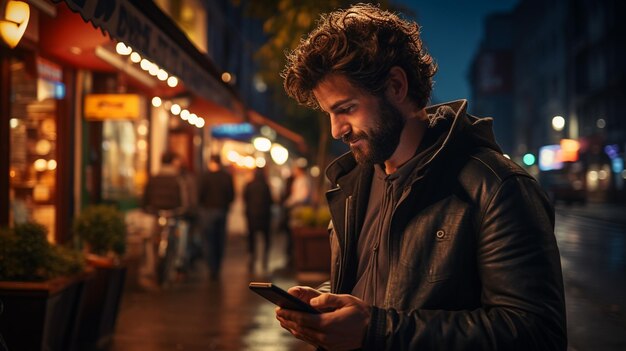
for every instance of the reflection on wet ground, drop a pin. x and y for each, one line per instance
(594, 268)
(201, 314)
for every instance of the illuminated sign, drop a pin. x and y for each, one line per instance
(237, 131)
(100, 107)
(569, 150)
(50, 90)
(49, 70)
(550, 158)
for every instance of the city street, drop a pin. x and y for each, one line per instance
(200, 314)
(592, 242)
(120, 118)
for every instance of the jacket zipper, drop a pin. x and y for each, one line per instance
(344, 248)
(393, 248)
(381, 227)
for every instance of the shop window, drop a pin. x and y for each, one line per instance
(33, 138)
(124, 159)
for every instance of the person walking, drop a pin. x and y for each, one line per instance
(258, 201)
(439, 242)
(216, 195)
(167, 196)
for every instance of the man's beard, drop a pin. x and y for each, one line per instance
(382, 140)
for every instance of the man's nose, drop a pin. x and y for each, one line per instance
(338, 127)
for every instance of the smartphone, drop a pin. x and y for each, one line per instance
(280, 297)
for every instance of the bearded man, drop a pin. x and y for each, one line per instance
(439, 242)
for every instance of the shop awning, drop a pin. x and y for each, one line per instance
(259, 120)
(215, 114)
(143, 26)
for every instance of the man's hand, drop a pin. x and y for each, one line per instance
(342, 326)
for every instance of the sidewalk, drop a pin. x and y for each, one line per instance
(200, 314)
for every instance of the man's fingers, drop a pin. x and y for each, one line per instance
(303, 319)
(304, 293)
(311, 336)
(329, 301)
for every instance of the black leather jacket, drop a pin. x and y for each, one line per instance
(473, 259)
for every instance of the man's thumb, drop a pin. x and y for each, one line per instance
(327, 301)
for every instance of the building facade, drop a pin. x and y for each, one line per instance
(568, 83)
(88, 106)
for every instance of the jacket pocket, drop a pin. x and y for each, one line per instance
(427, 256)
(439, 267)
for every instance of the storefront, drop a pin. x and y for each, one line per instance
(86, 107)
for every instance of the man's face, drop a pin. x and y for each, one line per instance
(369, 125)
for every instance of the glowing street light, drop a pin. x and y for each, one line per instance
(175, 109)
(529, 159)
(162, 75)
(156, 101)
(123, 49)
(172, 82)
(262, 144)
(13, 25)
(184, 114)
(279, 154)
(135, 57)
(558, 123)
(145, 64)
(200, 122)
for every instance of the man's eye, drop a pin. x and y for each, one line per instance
(348, 109)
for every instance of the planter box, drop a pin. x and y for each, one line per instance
(101, 306)
(311, 255)
(311, 249)
(41, 315)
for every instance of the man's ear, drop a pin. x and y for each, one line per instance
(397, 85)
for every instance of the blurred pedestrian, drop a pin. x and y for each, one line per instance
(216, 195)
(299, 195)
(258, 201)
(167, 195)
(167, 190)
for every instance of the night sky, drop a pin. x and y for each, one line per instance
(452, 30)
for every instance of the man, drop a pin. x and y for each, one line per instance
(167, 190)
(167, 195)
(438, 241)
(258, 199)
(216, 194)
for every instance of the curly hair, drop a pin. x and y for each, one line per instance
(362, 42)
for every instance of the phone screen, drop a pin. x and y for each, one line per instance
(280, 297)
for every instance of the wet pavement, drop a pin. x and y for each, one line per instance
(200, 314)
(592, 242)
(203, 314)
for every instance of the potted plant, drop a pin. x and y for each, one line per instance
(41, 288)
(309, 226)
(102, 232)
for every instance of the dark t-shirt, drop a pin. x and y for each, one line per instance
(373, 244)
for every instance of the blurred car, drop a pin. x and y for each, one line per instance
(564, 187)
